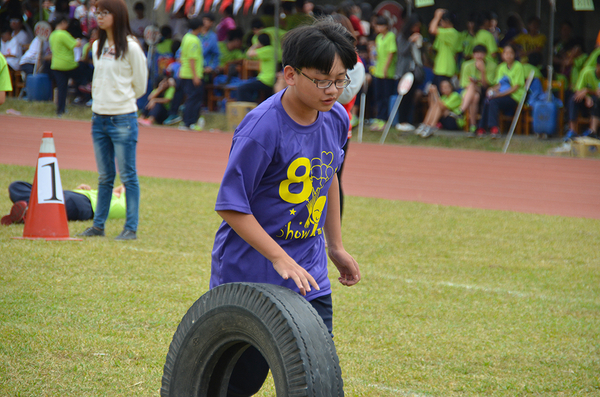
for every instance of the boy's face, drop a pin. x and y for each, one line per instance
(321, 99)
(445, 88)
(381, 28)
(479, 56)
(508, 55)
(5, 36)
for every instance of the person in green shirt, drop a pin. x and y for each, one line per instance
(63, 65)
(5, 84)
(443, 110)
(384, 84)
(505, 95)
(166, 41)
(447, 44)
(190, 76)
(476, 76)
(484, 36)
(263, 84)
(80, 203)
(231, 53)
(585, 99)
(159, 103)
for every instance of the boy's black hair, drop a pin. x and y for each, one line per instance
(209, 15)
(166, 31)
(264, 39)
(480, 48)
(315, 46)
(139, 6)
(256, 23)
(235, 34)
(381, 20)
(450, 17)
(194, 23)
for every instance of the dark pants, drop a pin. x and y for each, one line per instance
(576, 107)
(252, 369)
(253, 90)
(194, 96)
(61, 77)
(159, 112)
(406, 110)
(490, 115)
(383, 90)
(77, 205)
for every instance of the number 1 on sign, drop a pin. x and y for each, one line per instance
(49, 186)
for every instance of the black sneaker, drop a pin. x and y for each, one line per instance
(92, 232)
(126, 235)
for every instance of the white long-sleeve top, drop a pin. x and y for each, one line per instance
(117, 83)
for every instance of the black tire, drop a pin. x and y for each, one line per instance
(227, 320)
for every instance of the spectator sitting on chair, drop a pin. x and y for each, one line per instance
(476, 76)
(231, 53)
(29, 59)
(444, 110)
(11, 50)
(80, 203)
(157, 108)
(5, 84)
(505, 95)
(263, 83)
(584, 98)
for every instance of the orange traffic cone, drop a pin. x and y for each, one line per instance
(46, 215)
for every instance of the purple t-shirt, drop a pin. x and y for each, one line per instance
(280, 172)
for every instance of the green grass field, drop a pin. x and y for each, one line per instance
(453, 301)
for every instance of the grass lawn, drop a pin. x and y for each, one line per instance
(453, 301)
(218, 121)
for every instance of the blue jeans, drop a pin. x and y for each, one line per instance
(490, 115)
(116, 137)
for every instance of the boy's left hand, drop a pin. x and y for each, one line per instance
(346, 265)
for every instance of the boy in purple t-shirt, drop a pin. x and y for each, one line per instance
(279, 197)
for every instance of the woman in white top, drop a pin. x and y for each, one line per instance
(120, 77)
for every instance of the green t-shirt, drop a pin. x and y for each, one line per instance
(487, 40)
(267, 65)
(62, 45)
(271, 32)
(168, 94)
(452, 103)
(5, 84)
(385, 45)
(592, 59)
(516, 75)
(164, 47)
(469, 70)
(527, 68)
(467, 43)
(191, 48)
(447, 43)
(587, 79)
(118, 205)
(227, 55)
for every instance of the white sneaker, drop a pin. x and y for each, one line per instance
(564, 148)
(428, 132)
(419, 129)
(405, 127)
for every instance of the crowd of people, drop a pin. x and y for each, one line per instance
(486, 64)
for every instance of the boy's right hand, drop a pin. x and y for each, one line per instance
(288, 268)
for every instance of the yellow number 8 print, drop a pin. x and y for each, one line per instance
(284, 186)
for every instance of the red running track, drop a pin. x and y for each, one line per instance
(523, 183)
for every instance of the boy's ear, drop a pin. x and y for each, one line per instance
(289, 74)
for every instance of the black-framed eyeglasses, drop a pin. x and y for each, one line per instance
(102, 14)
(327, 83)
